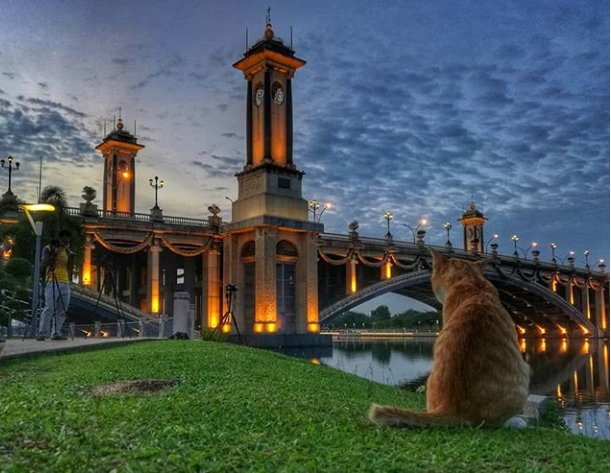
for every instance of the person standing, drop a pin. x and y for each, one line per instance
(56, 262)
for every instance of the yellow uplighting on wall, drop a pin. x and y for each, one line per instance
(388, 270)
(86, 271)
(313, 327)
(155, 303)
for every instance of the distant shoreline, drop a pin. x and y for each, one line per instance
(339, 335)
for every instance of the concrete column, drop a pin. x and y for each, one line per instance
(266, 319)
(211, 288)
(351, 282)
(602, 323)
(386, 271)
(310, 263)
(153, 293)
(97, 329)
(585, 302)
(569, 292)
(86, 277)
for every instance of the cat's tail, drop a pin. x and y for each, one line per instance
(396, 417)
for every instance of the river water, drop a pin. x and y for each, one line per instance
(575, 372)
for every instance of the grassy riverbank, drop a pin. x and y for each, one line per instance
(240, 409)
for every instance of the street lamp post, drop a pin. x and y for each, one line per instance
(586, 254)
(9, 166)
(515, 239)
(418, 234)
(156, 184)
(448, 226)
(314, 205)
(388, 216)
(553, 247)
(494, 237)
(37, 227)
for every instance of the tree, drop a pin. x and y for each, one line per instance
(380, 313)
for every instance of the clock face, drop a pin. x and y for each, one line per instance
(259, 93)
(279, 96)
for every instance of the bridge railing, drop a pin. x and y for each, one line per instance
(412, 249)
(144, 218)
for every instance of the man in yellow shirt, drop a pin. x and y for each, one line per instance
(56, 264)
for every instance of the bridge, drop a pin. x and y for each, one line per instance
(544, 298)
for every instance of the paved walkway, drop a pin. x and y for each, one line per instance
(17, 347)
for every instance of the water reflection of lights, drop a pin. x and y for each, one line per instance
(585, 348)
(564, 346)
(542, 346)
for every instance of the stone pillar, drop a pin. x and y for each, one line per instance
(86, 270)
(569, 292)
(585, 301)
(211, 289)
(311, 284)
(266, 318)
(141, 328)
(386, 271)
(153, 293)
(601, 309)
(97, 329)
(351, 282)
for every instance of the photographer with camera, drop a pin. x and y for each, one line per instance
(56, 262)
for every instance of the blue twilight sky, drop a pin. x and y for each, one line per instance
(410, 106)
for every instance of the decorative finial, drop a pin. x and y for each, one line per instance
(269, 33)
(119, 124)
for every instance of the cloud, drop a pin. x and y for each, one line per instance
(425, 140)
(167, 69)
(121, 61)
(10, 75)
(53, 105)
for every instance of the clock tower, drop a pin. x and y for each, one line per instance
(270, 247)
(269, 184)
(473, 222)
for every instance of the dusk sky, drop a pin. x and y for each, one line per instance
(410, 106)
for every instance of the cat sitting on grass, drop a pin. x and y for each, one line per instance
(478, 375)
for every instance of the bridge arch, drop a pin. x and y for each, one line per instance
(528, 302)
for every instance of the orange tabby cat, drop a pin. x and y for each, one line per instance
(478, 375)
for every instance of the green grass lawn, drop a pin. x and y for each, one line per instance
(241, 409)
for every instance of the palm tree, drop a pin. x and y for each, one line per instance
(56, 196)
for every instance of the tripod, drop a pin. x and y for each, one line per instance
(109, 282)
(230, 291)
(34, 316)
(56, 291)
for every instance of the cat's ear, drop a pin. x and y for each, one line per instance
(438, 258)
